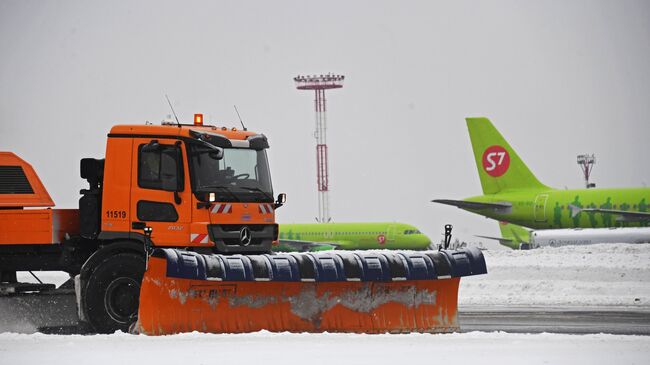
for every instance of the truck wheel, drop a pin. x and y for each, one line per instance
(112, 294)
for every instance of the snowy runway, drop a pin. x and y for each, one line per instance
(603, 275)
(567, 319)
(589, 278)
(284, 348)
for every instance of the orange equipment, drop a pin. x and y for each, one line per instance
(363, 292)
(185, 202)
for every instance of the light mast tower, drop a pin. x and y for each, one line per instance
(319, 84)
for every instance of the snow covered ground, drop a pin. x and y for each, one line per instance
(313, 349)
(589, 276)
(594, 276)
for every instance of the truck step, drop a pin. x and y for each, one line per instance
(17, 288)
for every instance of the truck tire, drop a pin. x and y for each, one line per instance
(112, 294)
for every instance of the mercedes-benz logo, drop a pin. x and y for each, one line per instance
(245, 236)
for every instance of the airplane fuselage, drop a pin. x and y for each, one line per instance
(358, 236)
(588, 236)
(549, 209)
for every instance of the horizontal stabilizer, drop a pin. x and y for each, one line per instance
(304, 246)
(501, 240)
(514, 236)
(623, 215)
(501, 207)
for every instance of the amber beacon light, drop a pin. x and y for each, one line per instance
(198, 119)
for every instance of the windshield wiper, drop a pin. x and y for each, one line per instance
(224, 188)
(266, 195)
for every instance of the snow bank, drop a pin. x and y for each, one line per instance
(313, 349)
(596, 275)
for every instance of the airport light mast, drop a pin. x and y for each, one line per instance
(586, 163)
(319, 84)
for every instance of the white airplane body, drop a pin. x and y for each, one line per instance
(588, 236)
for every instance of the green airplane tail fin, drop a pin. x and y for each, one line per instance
(499, 166)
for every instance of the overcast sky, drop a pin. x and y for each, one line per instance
(558, 78)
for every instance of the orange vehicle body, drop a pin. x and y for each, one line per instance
(176, 305)
(39, 224)
(22, 196)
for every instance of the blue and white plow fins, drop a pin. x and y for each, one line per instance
(358, 291)
(328, 266)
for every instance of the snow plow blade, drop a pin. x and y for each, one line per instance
(361, 292)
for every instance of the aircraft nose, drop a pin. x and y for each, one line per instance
(424, 241)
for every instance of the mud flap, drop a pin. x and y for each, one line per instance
(79, 298)
(357, 292)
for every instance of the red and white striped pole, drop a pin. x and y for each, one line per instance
(319, 84)
(322, 173)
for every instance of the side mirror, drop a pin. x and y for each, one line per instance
(152, 146)
(212, 151)
(282, 198)
(216, 154)
(205, 200)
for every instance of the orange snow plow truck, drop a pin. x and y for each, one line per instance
(174, 234)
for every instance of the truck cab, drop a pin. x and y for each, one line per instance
(199, 187)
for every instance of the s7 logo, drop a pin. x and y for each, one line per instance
(490, 158)
(496, 160)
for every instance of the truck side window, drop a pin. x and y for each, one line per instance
(160, 168)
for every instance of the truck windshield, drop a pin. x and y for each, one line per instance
(241, 175)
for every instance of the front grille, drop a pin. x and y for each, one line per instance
(227, 237)
(238, 227)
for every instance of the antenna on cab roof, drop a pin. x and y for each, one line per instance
(175, 116)
(239, 116)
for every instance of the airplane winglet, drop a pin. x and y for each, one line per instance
(574, 210)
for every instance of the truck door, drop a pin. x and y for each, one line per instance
(540, 207)
(160, 190)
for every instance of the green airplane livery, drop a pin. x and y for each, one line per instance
(513, 194)
(351, 236)
(512, 235)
